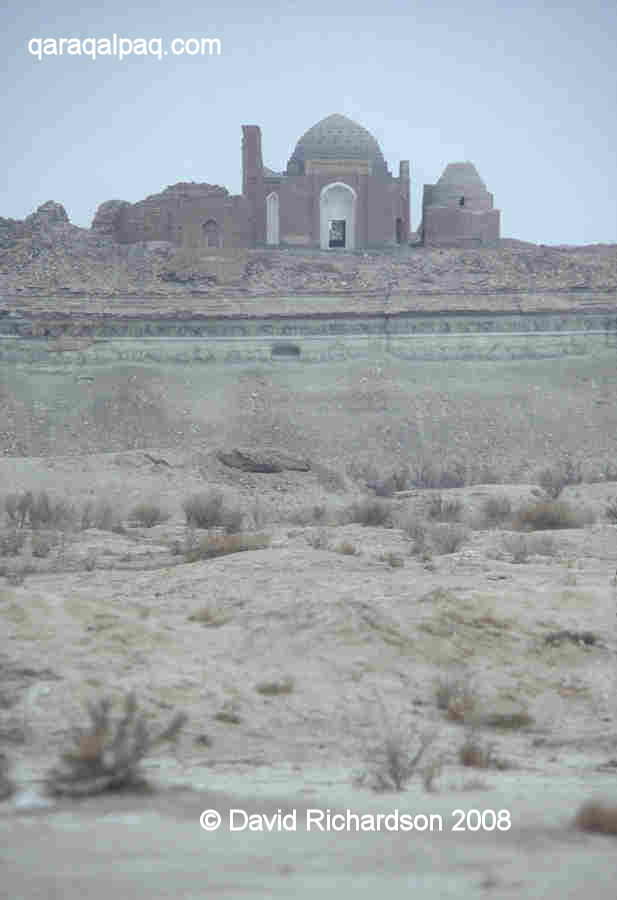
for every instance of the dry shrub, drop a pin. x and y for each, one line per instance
(275, 688)
(346, 548)
(597, 816)
(416, 531)
(211, 616)
(221, 545)
(209, 510)
(41, 546)
(149, 514)
(396, 757)
(392, 559)
(496, 511)
(40, 510)
(98, 514)
(370, 511)
(448, 537)
(6, 785)
(106, 756)
(318, 540)
(11, 543)
(441, 510)
(554, 479)
(451, 474)
(611, 511)
(455, 696)
(478, 755)
(517, 546)
(551, 515)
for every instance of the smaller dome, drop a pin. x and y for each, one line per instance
(463, 175)
(460, 185)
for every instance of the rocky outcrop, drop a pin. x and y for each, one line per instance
(262, 460)
(48, 215)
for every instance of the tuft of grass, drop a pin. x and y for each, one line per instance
(551, 515)
(346, 548)
(276, 688)
(597, 817)
(221, 545)
(209, 510)
(211, 616)
(107, 755)
(392, 559)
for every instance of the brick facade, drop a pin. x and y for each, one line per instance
(336, 193)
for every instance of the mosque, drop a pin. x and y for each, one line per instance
(336, 193)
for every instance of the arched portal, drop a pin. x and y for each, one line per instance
(272, 219)
(211, 233)
(337, 217)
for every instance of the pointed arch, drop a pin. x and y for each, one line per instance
(272, 219)
(337, 216)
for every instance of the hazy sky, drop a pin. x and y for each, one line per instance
(527, 92)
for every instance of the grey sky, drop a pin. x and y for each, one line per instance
(526, 92)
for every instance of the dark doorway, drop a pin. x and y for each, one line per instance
(399, 231)
(461, 202)
(337, 233)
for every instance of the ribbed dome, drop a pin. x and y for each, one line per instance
(337, 137)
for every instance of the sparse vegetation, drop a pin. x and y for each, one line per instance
(220, 545)
(551, 515)
(611, 511)
(392, 559)
(479, 755)
(6, 785)
(396, 758)
(496, 511)
(455, 696)
(98, 514)
(448, 537)
(11, 543)
(318, 540)
(554, 479)
(276, 688)
(443, 510)
(149, 514)
(107, 754)
(370, 511)
(209, 510)
(211, 616)
(346, 548)
(429, 475)
(41, 546)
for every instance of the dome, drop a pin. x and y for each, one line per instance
(460, 181)
(463, 175)
(337, 137)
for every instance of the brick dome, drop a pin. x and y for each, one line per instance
(337, 137)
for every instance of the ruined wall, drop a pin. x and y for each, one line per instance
(451, 227)
(186, 214)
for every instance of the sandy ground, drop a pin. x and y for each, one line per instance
(361, 645)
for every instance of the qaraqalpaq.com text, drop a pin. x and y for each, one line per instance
(122, 47)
